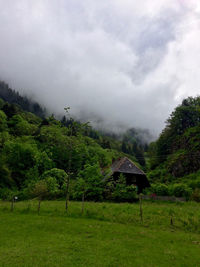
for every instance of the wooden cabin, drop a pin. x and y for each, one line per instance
(133, 174)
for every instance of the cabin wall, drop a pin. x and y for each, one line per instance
(133, 179)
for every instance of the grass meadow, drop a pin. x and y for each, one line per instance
(106, 234)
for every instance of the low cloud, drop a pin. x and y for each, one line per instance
(117, 63)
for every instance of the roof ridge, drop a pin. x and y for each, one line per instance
(135, 165)
(121, 161)
(117, 165)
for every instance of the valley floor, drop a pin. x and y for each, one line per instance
(104, 236)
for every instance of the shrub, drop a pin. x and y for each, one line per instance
(92, 177)
(122, 192)
(24, 194)
(181, 190)
(157, 175)
(58, 174)
(7, 194)
(160, 189)
(78, 189)
(194, 183)
(52, 186)
(196, 195)
(40, 190)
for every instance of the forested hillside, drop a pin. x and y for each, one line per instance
(34, 148)
(13, 97)
(175, 156)
(133, 142)
(38, 152)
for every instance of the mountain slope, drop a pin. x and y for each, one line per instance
(177, 151)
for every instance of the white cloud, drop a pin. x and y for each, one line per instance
(124, 61)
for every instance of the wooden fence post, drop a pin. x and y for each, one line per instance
(67, 193)
(141, 211)
(83, 200)
(39, 201)
(12, 204)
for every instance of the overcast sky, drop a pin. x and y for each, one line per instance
(126, 62)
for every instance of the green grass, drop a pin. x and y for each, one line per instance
(106, 235)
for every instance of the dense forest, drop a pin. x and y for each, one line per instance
(175, 156)
(40, 152)
(133, 141)
(43, 153)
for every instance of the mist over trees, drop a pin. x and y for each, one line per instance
(38, 154)
(13, 97)
(32, 145)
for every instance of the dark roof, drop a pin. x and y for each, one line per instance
(125, 165)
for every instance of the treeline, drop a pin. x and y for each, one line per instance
(175, 156)
(131, 142)
(43, 157)
(13, 97)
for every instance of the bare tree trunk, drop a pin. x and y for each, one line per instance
(83, 202)
(69, 173)
(141, 211)
(39, 206)
(67, 193)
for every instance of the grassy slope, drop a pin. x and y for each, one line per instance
(107, 235)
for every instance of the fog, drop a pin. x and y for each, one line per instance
(117, 63)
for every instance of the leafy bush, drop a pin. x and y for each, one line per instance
(45, 189)
(92, 177)
(181, 190)
(24, 194)
(126, 194)
(160, 189)
(52, 186)
(178, 190)
(20, 158)
(7, 194)
(196, 195)
(78, 188)
(158, 175)
(194, 184)
(122, 192)
(59, 175)
(40, 190)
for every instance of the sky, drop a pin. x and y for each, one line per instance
(116, 63)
